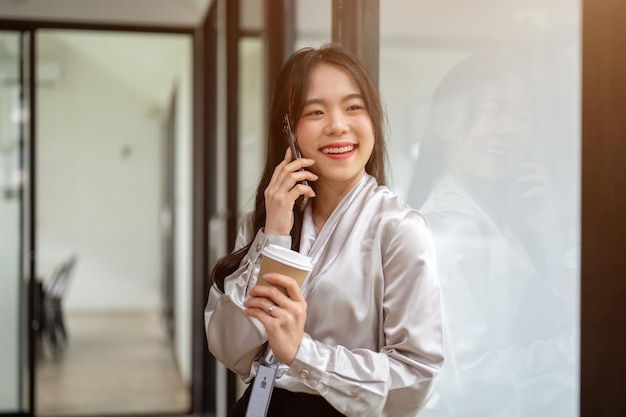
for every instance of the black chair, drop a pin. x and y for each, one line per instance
(54, 334)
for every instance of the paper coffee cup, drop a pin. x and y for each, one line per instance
(284, 261)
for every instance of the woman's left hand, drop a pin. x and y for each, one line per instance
(284, 323)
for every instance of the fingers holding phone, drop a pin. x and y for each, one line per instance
(295, 154)
(285, 188)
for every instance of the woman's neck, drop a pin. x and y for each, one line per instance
(328, 195)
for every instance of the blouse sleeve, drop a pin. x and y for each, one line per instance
(396, 380)
(234, 338)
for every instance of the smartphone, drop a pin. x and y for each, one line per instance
(295, 151)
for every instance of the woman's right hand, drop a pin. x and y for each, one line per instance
(282, 315)
(283, 191)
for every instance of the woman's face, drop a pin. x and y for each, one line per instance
(500, 136)
(335, 128)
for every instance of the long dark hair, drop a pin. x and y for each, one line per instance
(288, 98)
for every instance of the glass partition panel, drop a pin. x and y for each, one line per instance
(313, 22)
(252, 124)
(29, 291)
(14, 230)
(251, 15)
(483, 100)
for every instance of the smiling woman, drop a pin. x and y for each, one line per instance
(362, 336)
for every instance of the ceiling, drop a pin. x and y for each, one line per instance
(147, 64)
(178, 13)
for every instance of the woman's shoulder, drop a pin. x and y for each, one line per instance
(393, 209)
(391, 201)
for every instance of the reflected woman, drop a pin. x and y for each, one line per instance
(507, 313)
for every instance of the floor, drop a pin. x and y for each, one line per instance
(114, 364)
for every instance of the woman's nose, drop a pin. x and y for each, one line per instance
(336, 123)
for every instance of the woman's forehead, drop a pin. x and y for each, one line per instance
(328, 78)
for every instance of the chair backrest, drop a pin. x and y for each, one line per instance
(56, 284)
(52, 280)
(68, 269)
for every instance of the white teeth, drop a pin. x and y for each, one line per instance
(342, 149)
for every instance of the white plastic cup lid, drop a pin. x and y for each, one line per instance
(288, 257)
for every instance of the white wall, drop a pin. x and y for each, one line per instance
(183, 240)
(99, 187)
(100, 172)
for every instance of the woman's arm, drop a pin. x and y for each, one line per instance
(233, 338)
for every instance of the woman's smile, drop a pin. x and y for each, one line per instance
(339, 151)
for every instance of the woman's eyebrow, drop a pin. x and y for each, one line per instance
(322, 101)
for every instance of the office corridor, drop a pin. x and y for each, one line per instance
(114, 363)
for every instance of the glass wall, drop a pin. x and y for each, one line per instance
(14, 233)
(313, 22)
(253, 99)
(483, 101)
(252, 114)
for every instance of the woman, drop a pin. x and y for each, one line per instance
(363, 335)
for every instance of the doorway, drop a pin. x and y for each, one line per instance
(104, 100)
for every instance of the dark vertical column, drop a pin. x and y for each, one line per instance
(204, 195)
(356, 27)
(603, 290)
(199, 208)
(279, 38)
(232, 118)
(28, 56)
(232, 144)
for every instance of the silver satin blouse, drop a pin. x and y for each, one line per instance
(373, 336)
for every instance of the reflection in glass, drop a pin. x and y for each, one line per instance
(485, 142)
(497, 218)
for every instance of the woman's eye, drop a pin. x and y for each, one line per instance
(355, 107)
(313, 113)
